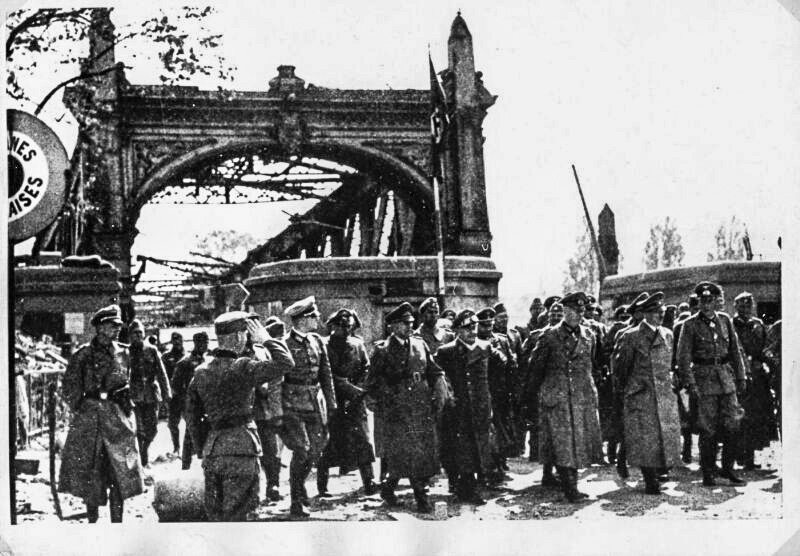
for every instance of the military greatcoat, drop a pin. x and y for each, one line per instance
(405, 383)
(465, 442)
(100, 431)
(561, 368)
(642, 361)
(349, 445)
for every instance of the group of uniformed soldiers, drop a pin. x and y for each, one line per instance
(460, 392)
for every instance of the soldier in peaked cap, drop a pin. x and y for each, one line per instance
(465, 444)
(149, 387)
(100, 461)
(223, 390)
(409, 392)
(268, 414)
(561, 371)
(170, 360)
(308, 398)
(429, 329)
(642, 361)
(687, 412)
(515, 343)
(711, 368)
(181, 378)
(548, 302)
(503, 385)
(758, 426)
(349, 446)
(615, 449)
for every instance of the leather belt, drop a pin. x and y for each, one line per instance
(300, 381)
(711, 360)
(231, 422)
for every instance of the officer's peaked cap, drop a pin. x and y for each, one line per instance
(112, 313)
(231, 322)
(465, 318)
(575, 300)
(486, 315)
(403, 312)
(304, 308)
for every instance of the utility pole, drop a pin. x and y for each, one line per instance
(601, 263)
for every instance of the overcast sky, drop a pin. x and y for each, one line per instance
(683, 109)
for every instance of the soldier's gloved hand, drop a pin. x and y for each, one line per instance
(258, 333)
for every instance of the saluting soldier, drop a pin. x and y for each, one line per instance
(149, 387)
(349, 446)
(409, 391)
(758, 425)
(181, 378)
(100, 462)
(561, 371)
(170, 360)
(642, 362)
(710, 367)
(308, 399)
(223, 389)
(465, 446)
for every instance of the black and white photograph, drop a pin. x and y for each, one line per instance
(481, 271)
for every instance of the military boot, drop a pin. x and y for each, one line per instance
(367, 479)
(686, 453)
(387, 491)
(548, 479)
(423, 505)
(322, 482)
(611, 452)
(92, 513)
(651, 485)
(728, 458)
(708, 460)
(569, 484)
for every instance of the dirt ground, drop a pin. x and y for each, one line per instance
(521, 498)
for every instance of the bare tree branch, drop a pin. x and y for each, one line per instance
(84, 75)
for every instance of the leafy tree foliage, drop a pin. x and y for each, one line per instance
(729, 242)
(226, 245)
(582, 272)
(664, 248)
(35, 38)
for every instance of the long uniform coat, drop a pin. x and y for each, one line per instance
(465, 442)
(404, 381)
(569, 426)
(349, 444)
(758, 425)
(99, 430)
(503, 379)
(643, 360)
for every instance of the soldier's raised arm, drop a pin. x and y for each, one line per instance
(277, 361)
